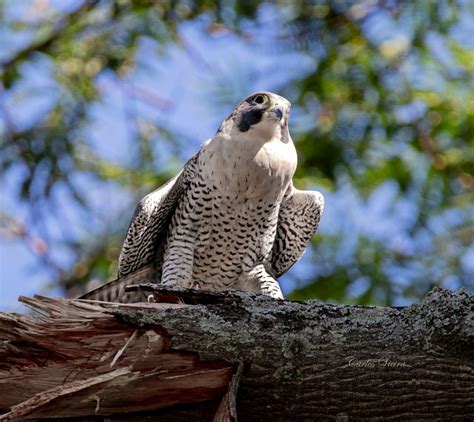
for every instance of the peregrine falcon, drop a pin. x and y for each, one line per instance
(231, 219)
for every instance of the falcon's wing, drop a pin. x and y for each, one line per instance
(143, 245)
(147, 230)
(298, 219)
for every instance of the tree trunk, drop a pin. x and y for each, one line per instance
(219, 355)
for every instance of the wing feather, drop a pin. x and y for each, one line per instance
(298, 219)
(141, 256)
(147, 229)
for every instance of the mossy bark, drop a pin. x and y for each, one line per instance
(309, 360)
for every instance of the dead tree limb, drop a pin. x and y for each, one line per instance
(297, 361)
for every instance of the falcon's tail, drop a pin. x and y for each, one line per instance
(114, 291)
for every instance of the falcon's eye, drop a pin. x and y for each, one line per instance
(260, 99)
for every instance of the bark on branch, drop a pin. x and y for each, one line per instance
(296, 361)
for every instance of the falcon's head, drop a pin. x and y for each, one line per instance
(262, 115)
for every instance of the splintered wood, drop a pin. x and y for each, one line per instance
(206, 356)
(76, 359)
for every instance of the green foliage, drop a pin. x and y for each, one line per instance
(377, 109)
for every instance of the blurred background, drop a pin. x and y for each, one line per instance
(103, 101)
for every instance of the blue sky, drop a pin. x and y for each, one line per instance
(191, 89)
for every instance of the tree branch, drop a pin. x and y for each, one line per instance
(298, 361)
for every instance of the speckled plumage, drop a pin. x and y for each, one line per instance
(231, 218)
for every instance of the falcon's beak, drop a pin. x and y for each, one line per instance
(276, 111)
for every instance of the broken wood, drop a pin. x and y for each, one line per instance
(78, 360)
(189, 350)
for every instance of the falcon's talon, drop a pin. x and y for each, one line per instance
(196, 285)
(231, 217)
(151, 299)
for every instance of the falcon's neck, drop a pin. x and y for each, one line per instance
(249, 165)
